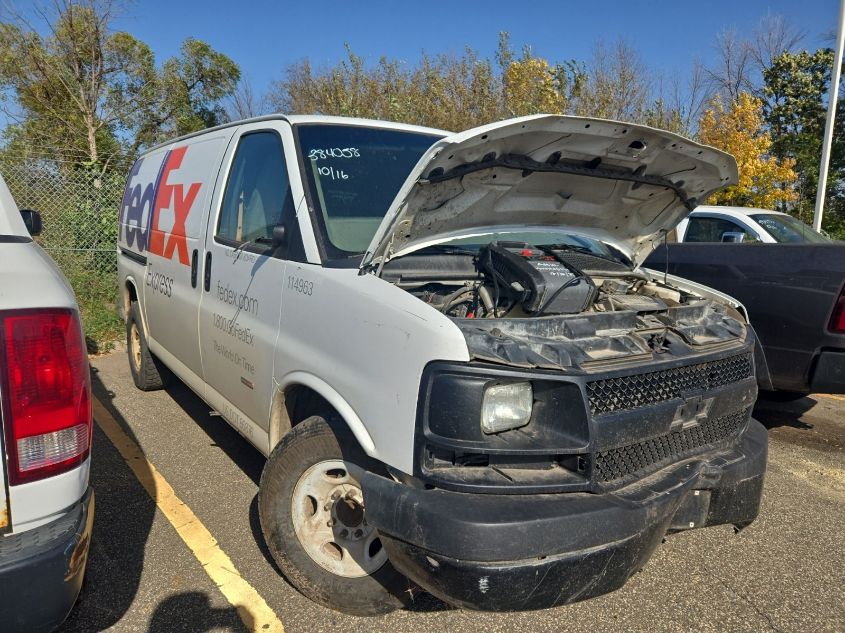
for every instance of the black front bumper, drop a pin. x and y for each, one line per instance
(41, 570)
(518, 552)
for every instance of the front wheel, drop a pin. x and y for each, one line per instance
(314, 521)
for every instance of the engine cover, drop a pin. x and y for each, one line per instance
(547, 284)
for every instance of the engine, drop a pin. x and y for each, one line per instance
(518, 280)
(538, 280)
(561, 305)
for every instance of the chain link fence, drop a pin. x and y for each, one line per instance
(79, 211)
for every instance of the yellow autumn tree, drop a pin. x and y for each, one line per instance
(764, 181)
(530, 88)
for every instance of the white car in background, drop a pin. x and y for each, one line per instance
(46, 504)
(741, 224)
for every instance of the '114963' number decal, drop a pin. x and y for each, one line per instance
(302, 286)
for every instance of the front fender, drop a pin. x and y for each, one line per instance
(337, 401)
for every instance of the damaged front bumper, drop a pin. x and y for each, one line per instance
(517, 552)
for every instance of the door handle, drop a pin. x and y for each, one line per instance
(194, 257)
(207, 276)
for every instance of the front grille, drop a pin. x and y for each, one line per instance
(651, 454)
(640, 390)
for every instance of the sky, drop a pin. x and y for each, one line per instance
(265, 37)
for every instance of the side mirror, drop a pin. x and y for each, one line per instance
(279, 236)
(733, 236)
(32, 219)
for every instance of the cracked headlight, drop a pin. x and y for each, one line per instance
(506, 407)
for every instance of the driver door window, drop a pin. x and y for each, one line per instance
(258, 195)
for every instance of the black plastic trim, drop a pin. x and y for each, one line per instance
(15, 239)
(538, 551)
(135, 257)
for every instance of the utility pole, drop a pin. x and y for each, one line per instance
(831, 116)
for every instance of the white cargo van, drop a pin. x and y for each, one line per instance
(446, 348)
(46, 503)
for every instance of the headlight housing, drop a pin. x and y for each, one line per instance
(506, 407)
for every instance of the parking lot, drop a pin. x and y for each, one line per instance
(785, 572)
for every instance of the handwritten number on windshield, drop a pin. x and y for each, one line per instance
(334, 152)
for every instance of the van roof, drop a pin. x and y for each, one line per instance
(300, 119)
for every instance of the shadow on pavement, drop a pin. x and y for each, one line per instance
(192, 612)
(239, 450)
(122, 525)
(775, 410)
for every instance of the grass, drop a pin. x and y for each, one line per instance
(97, 294)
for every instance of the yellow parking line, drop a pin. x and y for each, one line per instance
(251, 607)
(830, 396)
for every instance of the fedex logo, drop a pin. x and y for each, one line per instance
(163, 196)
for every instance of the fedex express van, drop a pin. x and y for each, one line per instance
(446, 347)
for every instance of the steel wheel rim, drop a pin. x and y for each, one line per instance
(330, 522)
(135, 345)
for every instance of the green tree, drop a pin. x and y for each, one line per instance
(443, 91)
(189, 94)
(88, 95)
(795, 94)
(452, 92)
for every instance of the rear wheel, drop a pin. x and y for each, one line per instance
(148, 373)
(315, 524)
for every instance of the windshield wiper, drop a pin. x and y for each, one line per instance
(452, 249)
(577, 249)
(586, 250)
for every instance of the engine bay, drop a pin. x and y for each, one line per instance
(562, 306)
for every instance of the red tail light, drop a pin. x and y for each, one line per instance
(837, 319)
(47, 399)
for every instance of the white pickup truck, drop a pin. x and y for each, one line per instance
(46, 504)
(745, 224)
(446, 348)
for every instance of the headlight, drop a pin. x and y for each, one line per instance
(506, 407)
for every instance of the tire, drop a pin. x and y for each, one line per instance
(308, 483)
(148, 373)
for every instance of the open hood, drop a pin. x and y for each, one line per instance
(622, 184)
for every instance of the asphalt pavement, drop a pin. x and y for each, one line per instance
(786, 572)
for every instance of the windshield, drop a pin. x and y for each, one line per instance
(785, 228)
(352, 174)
